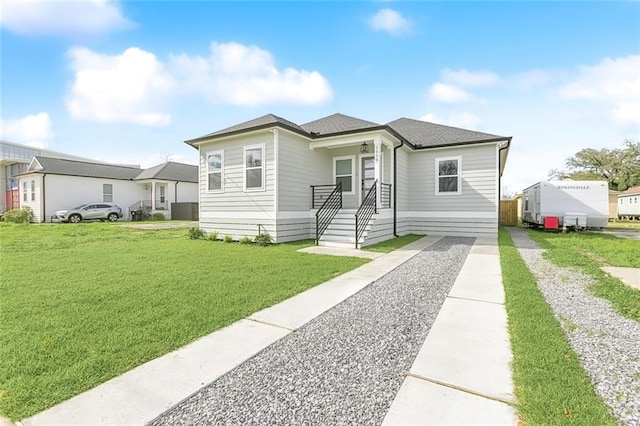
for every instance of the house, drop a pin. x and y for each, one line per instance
(14, 160)
(629, 204)
(342, 180)
(52, 184)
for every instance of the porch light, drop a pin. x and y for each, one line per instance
(364, 148)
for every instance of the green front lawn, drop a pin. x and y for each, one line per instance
(550, 384)
(83, 303)
(589, 252)
(393, 244)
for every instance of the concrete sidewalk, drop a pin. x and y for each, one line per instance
(461, 375)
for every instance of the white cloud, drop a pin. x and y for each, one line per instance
(123, 88)
(467, 78)
(33, 130)
(66, 18)
(463, 119)
(613, 81)
(390, 21)
(247, 75)
(448, 94)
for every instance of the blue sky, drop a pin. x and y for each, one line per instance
(128, 82)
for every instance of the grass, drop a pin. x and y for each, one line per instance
(393, 244)
(83, 303)
(550, 384)
(589, 252)
(625, 225)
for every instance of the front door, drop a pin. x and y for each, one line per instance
(368, 176)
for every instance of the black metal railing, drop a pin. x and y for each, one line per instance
(325, 214)
(367, 209)
(320, 193)
(385, 195)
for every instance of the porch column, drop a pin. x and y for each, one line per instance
(377, 168)
(153, 195)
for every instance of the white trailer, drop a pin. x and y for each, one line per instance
(629, 204)
(574, 204)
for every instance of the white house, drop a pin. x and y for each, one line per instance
(341, 179)
(629, 204)
(52, 184)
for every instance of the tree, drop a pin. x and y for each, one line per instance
(620, 167)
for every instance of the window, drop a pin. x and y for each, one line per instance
(526, 203)
(33, 190)
(343, 172)
(254, 167)
(214, 170)
(448, 175)
(24, 191)
(107, 192)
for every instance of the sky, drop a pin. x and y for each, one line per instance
(129, 82)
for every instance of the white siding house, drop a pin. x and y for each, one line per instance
(318, 179)
(629, 204)
(53, 184)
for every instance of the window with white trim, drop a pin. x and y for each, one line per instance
(448, 174)
(107, 192)
(33, 190)
(343, 172)
(24, 191)
(215, 165)
(254, 167)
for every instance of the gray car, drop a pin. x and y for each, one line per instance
(92, 211)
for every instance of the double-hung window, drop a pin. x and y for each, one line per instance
(215, 166)
(24, 191)
(107, 192)
(448, 175)
(344, 173)
(33, 190)
(254, 168)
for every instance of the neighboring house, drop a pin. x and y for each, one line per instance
(14, 160)
(629, 203)
(312, 180)
(52, 184)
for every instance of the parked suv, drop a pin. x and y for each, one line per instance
(93, 211)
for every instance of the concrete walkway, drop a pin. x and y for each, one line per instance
(462, 371)
(629, 276)
(462, 374)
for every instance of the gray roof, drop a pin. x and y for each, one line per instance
(264, 121)
(419, 134)
(425, 134)
(338, 123)
(171, 171)
(59, 166)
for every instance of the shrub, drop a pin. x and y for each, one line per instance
(23, 215)
(213, 236)
(246, 240)
(158, 216)
(263, 239)
(228, 239)
(196, 233)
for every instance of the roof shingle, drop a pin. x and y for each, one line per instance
(83, 168)
(171, 171)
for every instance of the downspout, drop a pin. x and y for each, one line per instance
(44, 200)
(395, 188)
(500, 176)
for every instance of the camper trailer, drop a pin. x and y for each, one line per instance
(571, 204)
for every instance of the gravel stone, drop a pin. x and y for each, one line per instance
(345, 366)
(607, 344)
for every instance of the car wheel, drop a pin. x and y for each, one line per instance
(112, 217)
(75, 218)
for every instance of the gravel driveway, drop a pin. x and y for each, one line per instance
(345, 366)
(607, 344)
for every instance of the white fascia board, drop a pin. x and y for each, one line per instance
(216, 139)
(351, 138)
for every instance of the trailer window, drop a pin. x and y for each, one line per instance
(526, 203)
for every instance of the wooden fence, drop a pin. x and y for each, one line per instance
(509, 212)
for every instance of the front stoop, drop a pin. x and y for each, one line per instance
(341, 232)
